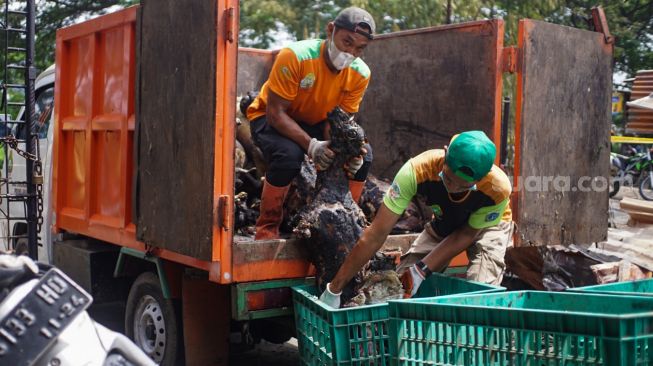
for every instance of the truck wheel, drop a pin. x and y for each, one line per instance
(151, 322)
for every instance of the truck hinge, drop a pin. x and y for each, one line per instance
(601, 24)
(510, 61)
(230, 23)
(223, 215)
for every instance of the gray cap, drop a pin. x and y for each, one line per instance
(355, 19)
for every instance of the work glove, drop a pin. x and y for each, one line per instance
(330, 298)
(320, 153)
(411, 279)
(354, 164)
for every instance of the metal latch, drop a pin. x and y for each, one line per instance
(223, 213)
(230, 24)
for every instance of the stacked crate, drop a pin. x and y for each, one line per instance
(640, 120)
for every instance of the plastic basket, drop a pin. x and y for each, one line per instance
(523, 328)
(360, 335)
(631, 288)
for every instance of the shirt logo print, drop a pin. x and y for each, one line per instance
(491, 216)
(308, 81)
(394, 191)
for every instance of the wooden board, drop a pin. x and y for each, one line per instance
(428, 85)
(176, 117)
(564, 108)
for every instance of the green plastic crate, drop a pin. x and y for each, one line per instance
(360, 335)
(523, 328)
(631, 288)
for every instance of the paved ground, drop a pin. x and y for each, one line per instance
(112, 316)
(269, 354)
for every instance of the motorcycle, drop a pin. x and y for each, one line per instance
(636, 169)
(43, 321)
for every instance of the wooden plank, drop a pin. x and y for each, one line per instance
(564, 109)
(606, 272)
(638, 254)
(247, 250)
(176, 125)
(428, 85)
(636, 205)
(645, 217)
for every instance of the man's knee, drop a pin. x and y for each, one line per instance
(486, 268)
(281, 177)
(487, 256)
(285, 163)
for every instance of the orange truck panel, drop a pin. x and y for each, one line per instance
(93, 139)
(94, 132)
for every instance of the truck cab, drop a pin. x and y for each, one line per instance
(17, 228)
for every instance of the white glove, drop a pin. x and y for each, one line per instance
(320, 153)
(411, 279)
(353, 165)
(330, 298)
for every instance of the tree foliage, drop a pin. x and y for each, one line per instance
(262, 21)
(630, 21)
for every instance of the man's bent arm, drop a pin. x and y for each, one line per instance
(450, 247)
(372, 240)
(283, 123)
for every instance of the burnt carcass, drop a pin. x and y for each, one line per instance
(331, 222)
(416, 215)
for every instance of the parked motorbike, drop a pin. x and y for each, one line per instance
(636, 169)
(43, 321)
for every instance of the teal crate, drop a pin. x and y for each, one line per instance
(631, 288)
(360, 335)
(523, 328)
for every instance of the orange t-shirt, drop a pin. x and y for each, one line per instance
(300, 74)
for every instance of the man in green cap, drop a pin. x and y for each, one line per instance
(470, 199)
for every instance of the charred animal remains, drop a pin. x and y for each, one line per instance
(331, 222)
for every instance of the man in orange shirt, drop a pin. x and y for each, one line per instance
(309, 78)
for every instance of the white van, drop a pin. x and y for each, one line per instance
(44, 97)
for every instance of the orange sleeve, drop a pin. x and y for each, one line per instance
(285, 75)
(353, 99)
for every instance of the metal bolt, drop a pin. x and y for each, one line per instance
(54, 362)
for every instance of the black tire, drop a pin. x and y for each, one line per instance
(645, 188)
(152, 322)
(614, 189)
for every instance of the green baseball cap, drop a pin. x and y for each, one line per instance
(471, 155)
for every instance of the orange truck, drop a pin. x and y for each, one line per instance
(143, 162)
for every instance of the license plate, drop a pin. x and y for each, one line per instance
(36, 322)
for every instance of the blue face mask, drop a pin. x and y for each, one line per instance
(441, 175)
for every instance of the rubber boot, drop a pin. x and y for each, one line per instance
(271, 213)
(356, 189)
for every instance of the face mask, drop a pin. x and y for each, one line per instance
(441, 175)
(339, 59)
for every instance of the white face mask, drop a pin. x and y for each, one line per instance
(339, 59)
